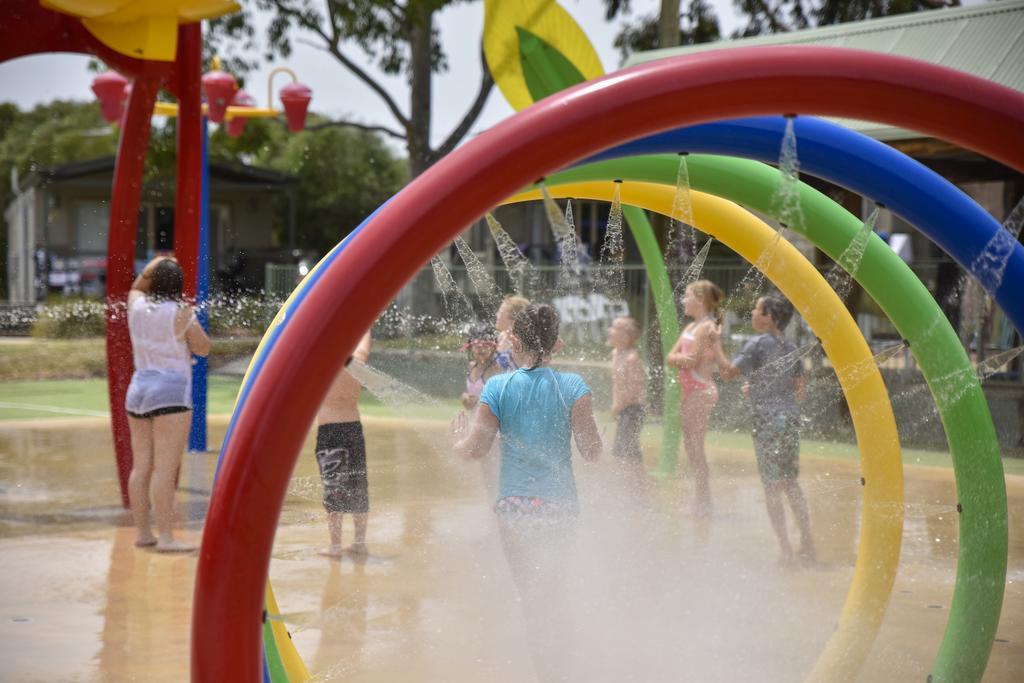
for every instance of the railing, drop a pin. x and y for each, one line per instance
(279, 279)
(588, 309)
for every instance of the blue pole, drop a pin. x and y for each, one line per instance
(197, 436)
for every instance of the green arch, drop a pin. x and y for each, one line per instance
(982, 554)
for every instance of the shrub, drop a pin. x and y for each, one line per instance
(242, 316)
(69, 319)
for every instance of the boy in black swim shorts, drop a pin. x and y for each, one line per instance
(341, 457)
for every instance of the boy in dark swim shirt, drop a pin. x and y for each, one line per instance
(775, 380)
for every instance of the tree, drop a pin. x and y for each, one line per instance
(48, 135)
(699, 23)
(343, 176)
(399, 36)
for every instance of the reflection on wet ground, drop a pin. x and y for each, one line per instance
(655, 594)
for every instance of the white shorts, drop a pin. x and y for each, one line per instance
(152, 390)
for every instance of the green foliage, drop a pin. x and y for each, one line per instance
(260, 144)
(52, 134)
(839, 12)
(344, 175)
(381, 29)
(48, 135)
(399, 36)
(699, 23)
(70, 319)
(242, 316)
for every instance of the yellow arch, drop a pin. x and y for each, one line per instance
(870, 409)
(294, 667)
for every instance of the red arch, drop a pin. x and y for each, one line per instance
(419, 221)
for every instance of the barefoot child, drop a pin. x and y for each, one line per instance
(775, 385)
(629, 381)
(694, 357)
(537, 411)
(341, 457)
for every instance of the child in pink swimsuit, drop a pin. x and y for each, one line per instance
(694, 357)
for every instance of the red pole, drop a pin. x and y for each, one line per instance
(190, 154)
(124, 216)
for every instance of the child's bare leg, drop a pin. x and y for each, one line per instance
(334, 522)
(798, 503)
(359, 540)
(170, 434)
(777, 515)
(140, 478)
(534, 561)
(695, 413)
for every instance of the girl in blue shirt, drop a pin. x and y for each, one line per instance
(538, 412)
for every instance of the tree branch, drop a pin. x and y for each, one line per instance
(361, 126)
(331, 46)
(773, 19)
(486, 83)
(374, 85)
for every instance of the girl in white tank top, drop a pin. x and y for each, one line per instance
(164, 335)
(163, 364)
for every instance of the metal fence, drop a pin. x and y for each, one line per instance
(587, 304)
(279, 279)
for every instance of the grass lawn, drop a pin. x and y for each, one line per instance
(24, 359)
(50, 398)
(88, 397)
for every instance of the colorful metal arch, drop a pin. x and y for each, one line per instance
(376, 262)
(981, 569)
(862, 384)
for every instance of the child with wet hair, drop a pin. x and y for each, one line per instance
(503, 319)
(482, 348)
(694, 357)
(629, 384)
(775, 383)
(538, 411)
(165, 334)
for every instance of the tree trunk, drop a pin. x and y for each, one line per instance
(420, 82)
(668, 24)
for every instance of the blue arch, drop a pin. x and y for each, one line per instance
(909, 189)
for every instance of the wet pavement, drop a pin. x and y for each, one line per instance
(654, 593)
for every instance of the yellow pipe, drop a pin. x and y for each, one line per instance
(870, 409)
(170, 109)
(294, 667)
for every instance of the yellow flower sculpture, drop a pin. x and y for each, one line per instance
(534, 48)
(144, 29)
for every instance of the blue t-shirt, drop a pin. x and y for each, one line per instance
(767, 365)
(534, 411)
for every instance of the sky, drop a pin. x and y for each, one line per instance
(336, 93)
